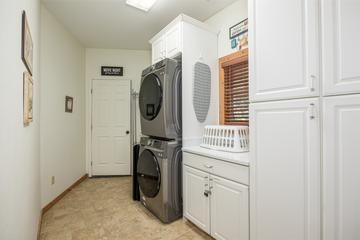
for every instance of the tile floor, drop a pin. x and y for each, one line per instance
(102, 209)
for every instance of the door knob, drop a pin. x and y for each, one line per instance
(127, 132)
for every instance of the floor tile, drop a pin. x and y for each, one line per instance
(103, 209)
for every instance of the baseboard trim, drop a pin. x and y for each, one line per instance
(58, 198)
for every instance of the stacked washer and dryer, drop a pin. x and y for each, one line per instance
(159, 164)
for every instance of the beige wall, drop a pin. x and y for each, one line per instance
(19, 145)
(223, 20)
(62, 135)
(133, 61)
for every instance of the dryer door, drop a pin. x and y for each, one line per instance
(150, 97)
(148, 174)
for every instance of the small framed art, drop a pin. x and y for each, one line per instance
(69, 104)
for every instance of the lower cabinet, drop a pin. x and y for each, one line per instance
(341, 168)
(229, 209)
(285, 170)
(196, 203)
(218, 206)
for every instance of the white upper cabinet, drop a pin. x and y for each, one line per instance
(284, 49)
(158, 50)
(229, 210)
(173, 41)
(285, 170)
(341, 48)
(196, 197)
(168, 43)
(341, 167)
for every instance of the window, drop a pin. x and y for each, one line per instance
(234, 89)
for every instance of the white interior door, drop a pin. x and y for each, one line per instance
(111, 127)
(285, 170)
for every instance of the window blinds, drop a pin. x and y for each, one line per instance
(236, 92)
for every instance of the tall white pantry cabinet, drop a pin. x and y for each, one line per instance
(304, 62)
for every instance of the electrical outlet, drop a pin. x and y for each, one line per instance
(52, 180)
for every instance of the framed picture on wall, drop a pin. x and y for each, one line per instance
(27, 46)
(28, 98)
(69, 104)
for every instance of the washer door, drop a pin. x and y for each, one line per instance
(150, 97)
(148, 174)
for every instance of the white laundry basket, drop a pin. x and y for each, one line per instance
(226, 138)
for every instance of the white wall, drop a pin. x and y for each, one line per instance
(198, 42)
(62, 135)
(133, 61)
(19, 145)
(223, 20)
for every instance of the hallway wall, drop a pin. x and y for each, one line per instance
(19, 145)
(62, 135)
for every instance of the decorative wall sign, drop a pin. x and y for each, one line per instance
(27, 46)
(238, 29)
(69, 104)
(28, 98)
(112, 71)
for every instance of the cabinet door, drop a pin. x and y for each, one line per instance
(158, 50)
(196, 203)
(173, 41)
(284, 49)
(341, 49)
(285, 170)
(229, 210)
(341, 164)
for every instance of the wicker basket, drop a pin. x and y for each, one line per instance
(226, 138)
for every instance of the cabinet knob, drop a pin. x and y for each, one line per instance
(208, 166)
(207, 193)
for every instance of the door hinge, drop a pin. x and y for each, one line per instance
(91, 91)
(91, 163)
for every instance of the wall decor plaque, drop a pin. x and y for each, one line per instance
(112, 71)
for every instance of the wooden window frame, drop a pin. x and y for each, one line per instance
(234, 58)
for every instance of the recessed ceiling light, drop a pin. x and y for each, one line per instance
(144, 5)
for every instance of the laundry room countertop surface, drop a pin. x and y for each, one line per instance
(238, 158)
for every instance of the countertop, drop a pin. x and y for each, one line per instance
(238, 158)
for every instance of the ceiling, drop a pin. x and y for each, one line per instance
(113, 24)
